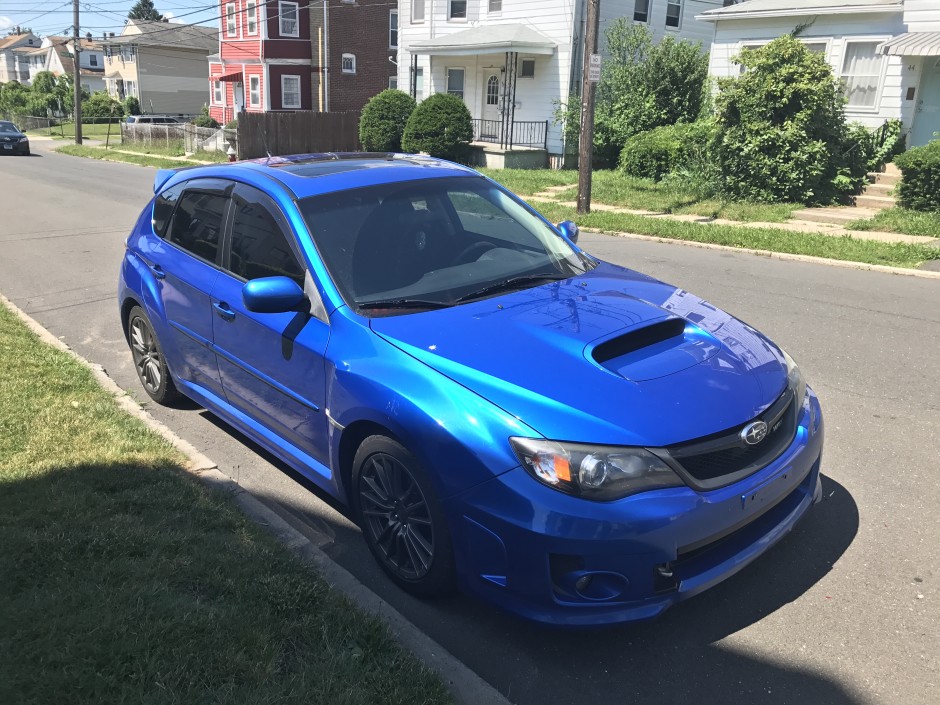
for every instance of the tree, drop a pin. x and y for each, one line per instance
(645, 85)
(145, 10)
(781, 133)
(101, 104)
(383, 121)
(440, 126)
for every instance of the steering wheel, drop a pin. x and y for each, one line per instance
(477, 248)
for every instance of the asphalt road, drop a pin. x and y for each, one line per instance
(845, 610)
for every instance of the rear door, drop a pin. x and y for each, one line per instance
(272, 364)
(185, 257)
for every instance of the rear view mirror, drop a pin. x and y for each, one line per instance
(272, 295)
(569, 230)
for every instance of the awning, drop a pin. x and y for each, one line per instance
(236, 77)
(912, 44)
(489, 39)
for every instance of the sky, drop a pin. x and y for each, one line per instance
(54, 17)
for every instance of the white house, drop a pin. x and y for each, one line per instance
(60, 60)
(511, 61)
(887, 52)
(12, 66)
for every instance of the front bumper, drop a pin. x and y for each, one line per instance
(14, 148)
(558, 559)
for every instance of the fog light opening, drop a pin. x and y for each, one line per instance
(664, 570)
(665, 578)
(583, 583)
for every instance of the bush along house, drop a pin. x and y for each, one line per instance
(265, 58)
(513, 61)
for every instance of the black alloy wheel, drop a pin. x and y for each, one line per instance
(148, 358)
(401, 519)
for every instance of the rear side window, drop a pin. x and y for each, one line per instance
(260, 247)
(197, 224)
(163, 209)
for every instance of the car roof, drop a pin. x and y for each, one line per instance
(313, 174)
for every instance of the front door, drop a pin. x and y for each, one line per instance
(238, 93)
(927, 117)
(491, 114)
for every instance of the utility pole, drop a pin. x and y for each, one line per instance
(589, 77)
(77, 73)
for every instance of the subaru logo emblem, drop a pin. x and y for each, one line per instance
(754, 433)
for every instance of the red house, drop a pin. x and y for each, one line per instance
(265, 58)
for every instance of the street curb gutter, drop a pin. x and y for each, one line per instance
(845, 264)
(466, 686)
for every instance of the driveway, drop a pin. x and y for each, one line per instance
(845, 610)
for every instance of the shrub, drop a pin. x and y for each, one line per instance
(920, 183)
(665, 149)
(781, 127)
(100, 104)
(440, 126)
(205, 120)
(888, 141)
(131, 105)
(383, 121)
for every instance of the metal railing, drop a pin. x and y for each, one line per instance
(523, 133)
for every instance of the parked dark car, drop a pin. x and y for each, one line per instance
(12, 139)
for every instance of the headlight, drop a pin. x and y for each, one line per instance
(795, 379)
(24, 139)
(593, 472)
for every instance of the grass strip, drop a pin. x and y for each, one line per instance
(900, 220)
(111, 155)
(775, 240)
(124, 580)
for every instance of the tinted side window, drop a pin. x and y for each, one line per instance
(259, 246)
(197, 223)
(163, 209)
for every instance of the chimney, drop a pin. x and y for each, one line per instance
(88, 36)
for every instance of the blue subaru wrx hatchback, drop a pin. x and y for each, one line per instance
(573, 441)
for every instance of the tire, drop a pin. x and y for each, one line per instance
(401, 518)
(149, 361)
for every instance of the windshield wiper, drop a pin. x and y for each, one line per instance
(401, 303)
(509, 284)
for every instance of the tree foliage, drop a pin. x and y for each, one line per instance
(440, 126)
(920, 183)
(383, 121)
(645, 85)
(205, 120)
(100, 104)
(144, 10)
(781, 128)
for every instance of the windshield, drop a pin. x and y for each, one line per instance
(402, 247)
(8, 128)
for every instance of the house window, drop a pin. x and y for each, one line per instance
(455, 82)
(252, 16)
(393, 82)
(230, 27)
(289, 23)
(673, 13)
(861, 73)
(127, 53)
(217, 92)
(393, 29)
(528, 69)
(349, 63)
(254, 91)
(457, 10)
(816, 47)
(290, 91)
(641, 11)
(92, 59)
(417, 11)
(496, 6)
(130, 88)
(492, 90)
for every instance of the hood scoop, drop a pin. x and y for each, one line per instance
(656, 350)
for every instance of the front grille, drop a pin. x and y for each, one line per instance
(724, 457)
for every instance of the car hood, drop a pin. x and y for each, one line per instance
(610, 356)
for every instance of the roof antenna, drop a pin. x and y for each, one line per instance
(264, 141)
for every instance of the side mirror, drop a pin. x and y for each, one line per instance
(569, 230)
(272, 295)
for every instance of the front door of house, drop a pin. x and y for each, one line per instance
(491, 113)
(238, 93)
(927, 117)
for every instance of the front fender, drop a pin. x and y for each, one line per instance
(459, 435)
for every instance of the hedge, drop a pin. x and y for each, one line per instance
(657, 152)
(919, 189)
(383, 121)
(440, 126)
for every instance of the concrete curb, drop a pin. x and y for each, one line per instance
(466, 686)
(845, 264)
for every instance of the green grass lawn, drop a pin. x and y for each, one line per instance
(142, 158)
(773, 239)
(526, 182)
(67, 130)
(124, 580)
(901, 220)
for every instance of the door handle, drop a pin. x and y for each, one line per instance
(157, 271)
(225, 313)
